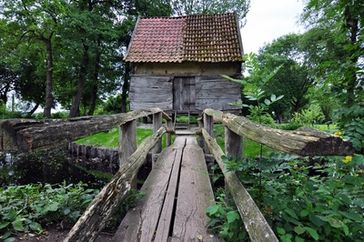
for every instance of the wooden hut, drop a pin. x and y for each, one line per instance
(177, 62)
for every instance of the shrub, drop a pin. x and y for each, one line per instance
(29, 207)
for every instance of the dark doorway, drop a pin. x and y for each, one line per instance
(184, 94)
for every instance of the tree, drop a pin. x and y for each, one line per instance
(38, 21)
(188, 7)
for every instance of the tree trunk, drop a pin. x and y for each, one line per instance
(352, 23)
(125, 90)
(49, 80)
(76, 100)
(95, 81)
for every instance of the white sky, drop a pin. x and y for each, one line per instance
(269, 19)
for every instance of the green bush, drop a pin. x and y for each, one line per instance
(310, 116)
(30, 207)
(302, 202)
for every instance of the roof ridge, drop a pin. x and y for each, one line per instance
(186, 16)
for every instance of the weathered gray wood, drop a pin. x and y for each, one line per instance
(107, 201)
(297, 142)
(208, 126)
(127, 140)
(157, 123)
(254, 221)
(169, 134)
(233, 147)
(27, 136)
(216, 92)
(140, 224)
(194, 196)
(165, 218)
(151, 91)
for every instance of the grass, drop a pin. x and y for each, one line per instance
(250, 147)
(110, 139)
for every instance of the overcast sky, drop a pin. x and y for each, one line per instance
(268, 20)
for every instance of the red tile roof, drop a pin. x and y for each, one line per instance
(200, 38)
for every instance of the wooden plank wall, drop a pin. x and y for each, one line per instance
(216, 92)
(157, 91)
(151, 91)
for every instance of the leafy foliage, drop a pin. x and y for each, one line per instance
(30, 207)
(303, 200)
(225, 220)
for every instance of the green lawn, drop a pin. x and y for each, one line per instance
(110, 139)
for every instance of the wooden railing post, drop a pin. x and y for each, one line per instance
(169, 134)
(208, 126)
(127, 140)
(157, 123)
(233, 147)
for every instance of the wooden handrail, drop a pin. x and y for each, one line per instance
(107, 201)
(304, 143)
(254, 221)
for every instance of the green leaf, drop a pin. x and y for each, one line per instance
(304, 213)
(281, 230)
(52, 207)
(312, 232)
(212, 210)
(4, 225)
(299, 230)
(10, 239)
(232, 216)
(267, 102)
(35, 227)
(18, 225)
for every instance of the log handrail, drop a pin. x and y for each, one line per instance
(304, 143)
(254, 221)
(26, 135)
(107, 201)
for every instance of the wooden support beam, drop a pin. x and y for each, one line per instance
(233, 147)
(254, 221)
(127, 140)
(108, 200)
(208, 126)
(169, 134)
(157, 123)
(305, 143)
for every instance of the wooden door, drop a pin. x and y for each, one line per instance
(184, 93)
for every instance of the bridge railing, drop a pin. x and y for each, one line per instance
(303, 142)
(131, 158)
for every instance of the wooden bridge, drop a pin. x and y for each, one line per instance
(177, 190)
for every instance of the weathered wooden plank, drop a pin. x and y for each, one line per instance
(254, 221)
(297, 142)
(127, 141)
(194, 196)
(165, 219)
(216, 103)
(107, 201)
(147, 91)
(141, 222)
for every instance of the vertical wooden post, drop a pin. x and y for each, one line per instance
(233, 147)
(127, 140)
(157, 123)
(208, 125)
(169, 134)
